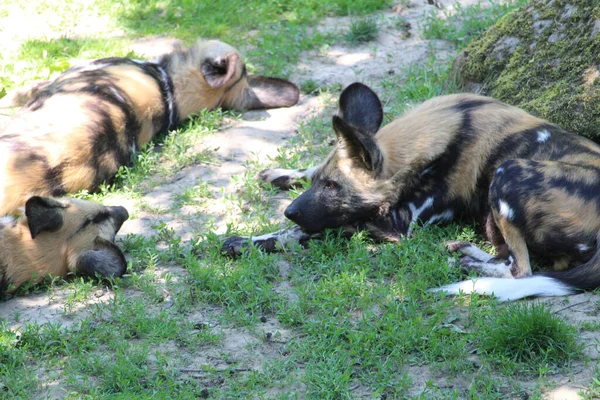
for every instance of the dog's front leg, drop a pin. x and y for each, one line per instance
(286, 179)
(269, 242)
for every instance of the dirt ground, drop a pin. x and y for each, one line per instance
(257, 136)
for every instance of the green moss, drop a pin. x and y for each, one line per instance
(544, 58)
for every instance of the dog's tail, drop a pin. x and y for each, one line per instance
(21, 96)
(553, 283)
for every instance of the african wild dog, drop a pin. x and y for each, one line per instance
(58, 236)
(76, 131)
(458, 157)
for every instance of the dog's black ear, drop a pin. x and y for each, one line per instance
(43, 215)
(359, 144)
(360, 107)
(105, 259)
(261, 92)
(217, 71)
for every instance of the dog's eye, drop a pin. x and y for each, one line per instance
(331, 185)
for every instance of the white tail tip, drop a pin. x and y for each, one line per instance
(510, 289)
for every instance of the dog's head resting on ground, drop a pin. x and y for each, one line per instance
(212, 74)
(351, 183)
(58, 236)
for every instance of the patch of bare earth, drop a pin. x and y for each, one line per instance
(257, 137)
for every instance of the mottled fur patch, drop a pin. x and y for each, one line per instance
(75, 132)
(471, 158)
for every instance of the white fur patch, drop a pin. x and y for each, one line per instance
(284, 237)
(446, 215)
(416, 212)
(543, 136)
(509, 289)
(505, 210)
(115, 93)
(269, 175)
(7, 220)
(582, 247)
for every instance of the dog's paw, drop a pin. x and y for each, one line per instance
(234, 246)
(283, 179)
(468, 263)
(456, 245)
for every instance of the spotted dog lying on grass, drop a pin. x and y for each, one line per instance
(458, 157)
(75, 132)
(58, 236)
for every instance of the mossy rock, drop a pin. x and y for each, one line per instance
(544, 58)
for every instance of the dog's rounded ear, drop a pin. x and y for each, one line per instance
(217, 71)
(261, 92)
(358, 144)
(43, 215)
(105, 259)
(361, 108)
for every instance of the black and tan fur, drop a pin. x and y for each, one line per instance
(59, 236)
(75, 132)
(533, 185)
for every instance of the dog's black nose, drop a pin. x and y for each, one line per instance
(292, 213)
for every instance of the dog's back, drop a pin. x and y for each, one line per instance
(77, 132)
(455, 143)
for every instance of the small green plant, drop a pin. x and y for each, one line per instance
(461, 25)
(527, 334)
(362, 30)
(593, 391)
(309, 86)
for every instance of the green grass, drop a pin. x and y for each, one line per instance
(527, 334)
(356, 320)
(280, 30)
(463, 24)
(362, 30)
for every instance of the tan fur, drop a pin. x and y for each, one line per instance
(418, 137)
(52, 253)
(77, 131)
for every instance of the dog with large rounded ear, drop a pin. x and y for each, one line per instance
(212, 74)
(359, 118)
(83, 230)
(223, 67)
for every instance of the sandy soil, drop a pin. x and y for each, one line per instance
(257, 136)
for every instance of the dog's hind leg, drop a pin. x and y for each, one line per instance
(286, 179)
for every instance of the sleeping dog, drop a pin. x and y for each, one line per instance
(75, 132)
(458, 157)
(58, 236)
